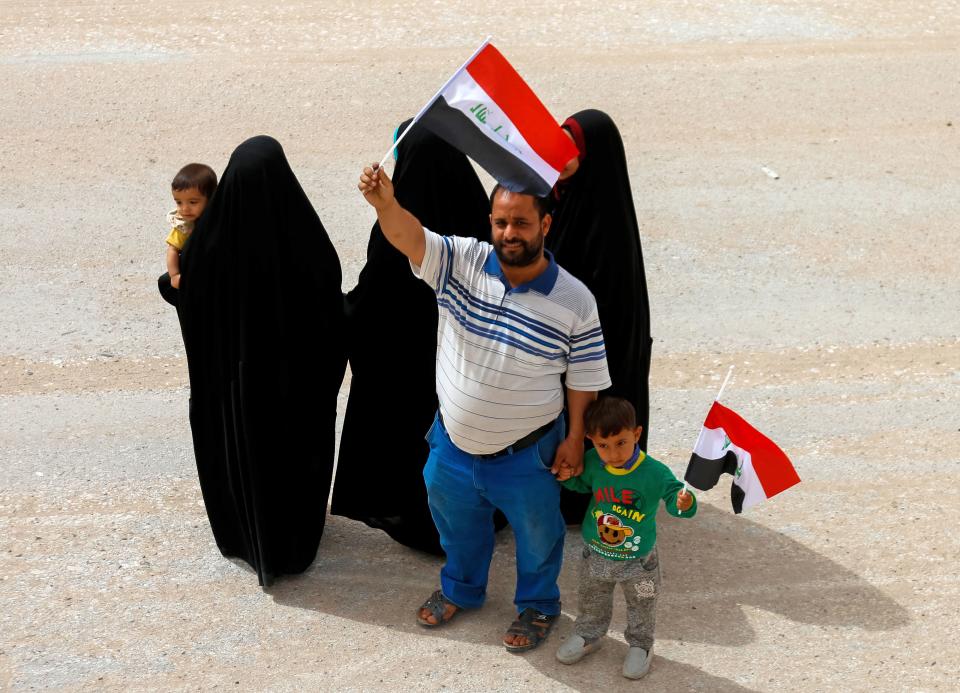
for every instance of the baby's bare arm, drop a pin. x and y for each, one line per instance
(173, 266)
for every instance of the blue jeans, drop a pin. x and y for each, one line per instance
(463, 492)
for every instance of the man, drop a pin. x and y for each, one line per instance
(512, 322)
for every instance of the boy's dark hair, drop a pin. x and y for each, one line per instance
(199, 176)
(608, 416)
(544, 205)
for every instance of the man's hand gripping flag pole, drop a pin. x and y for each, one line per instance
(427, 105)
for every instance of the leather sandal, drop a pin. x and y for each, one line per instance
(533, 625)
(437, 605)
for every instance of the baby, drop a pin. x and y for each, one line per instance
(620, 532)
(193, 186)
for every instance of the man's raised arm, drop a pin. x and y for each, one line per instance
(402, 229)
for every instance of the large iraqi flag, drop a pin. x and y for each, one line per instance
(489, 113)
(729, 445)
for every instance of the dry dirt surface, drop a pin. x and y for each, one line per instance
(795, 170)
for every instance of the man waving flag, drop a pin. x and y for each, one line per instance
(489, 113)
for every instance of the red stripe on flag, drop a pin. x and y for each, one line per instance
(502, 83)
(772, 466)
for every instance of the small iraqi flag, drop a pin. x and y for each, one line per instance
(728, 444)
(489, 113)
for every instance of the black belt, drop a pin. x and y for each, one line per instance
(524, 442)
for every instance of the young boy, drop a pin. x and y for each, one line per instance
(193, 186)
(620, 532)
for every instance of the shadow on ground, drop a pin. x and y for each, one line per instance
(711, 568)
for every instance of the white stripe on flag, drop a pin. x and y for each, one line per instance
(713, 443)
(468, 97)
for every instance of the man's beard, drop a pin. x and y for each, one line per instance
(524, 254)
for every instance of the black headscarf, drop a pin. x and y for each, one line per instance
(595, 237)
(262, 318)
(392, 323)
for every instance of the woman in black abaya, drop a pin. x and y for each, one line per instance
(595, 237)
(392, 327)
(261, 313)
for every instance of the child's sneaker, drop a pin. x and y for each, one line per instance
(575, 649)
(637, 663)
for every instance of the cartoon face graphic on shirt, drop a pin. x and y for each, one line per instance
(611, 531)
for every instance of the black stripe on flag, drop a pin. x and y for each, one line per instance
(461, 132)
(704, 474)
(736, 498)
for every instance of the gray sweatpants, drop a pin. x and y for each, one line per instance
(640, 581)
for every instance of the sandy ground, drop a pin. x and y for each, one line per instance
(833, 289)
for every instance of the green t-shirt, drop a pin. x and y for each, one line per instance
(621, 522)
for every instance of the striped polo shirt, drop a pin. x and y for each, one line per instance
(501, 351)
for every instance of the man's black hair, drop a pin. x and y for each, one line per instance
(544, 205)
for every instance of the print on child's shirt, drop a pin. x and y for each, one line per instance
(612, 532)
(615, 538)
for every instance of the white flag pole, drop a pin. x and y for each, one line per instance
(715, 399)
(725, 380)
(430, 102)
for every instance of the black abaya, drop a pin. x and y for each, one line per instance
(392, 326)
(261, 312)
(595, 237)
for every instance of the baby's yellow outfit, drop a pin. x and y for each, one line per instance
(180, 231)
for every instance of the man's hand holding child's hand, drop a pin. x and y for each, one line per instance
(569, 455)
(564, 471)
(684, 501)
